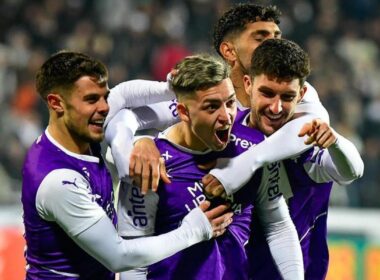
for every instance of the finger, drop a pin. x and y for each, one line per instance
(306, 129)
(155, 175)
(330, 141)
(137, 169)
(222, 224)
(163, 175)
(217, 211)
(322, 138)
(310, 141)
(212, 186)
(132, 165)
(207, 179)
(222, 221)
(316, 123)
(204, 205)
(145, 178)
(218, 191)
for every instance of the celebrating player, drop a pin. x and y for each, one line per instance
(67, 191)
(207, 109)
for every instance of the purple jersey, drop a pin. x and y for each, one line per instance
(220, 258)
(308, 208)
(48, 247)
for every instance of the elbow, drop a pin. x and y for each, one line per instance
(354, 174)
(358, 170)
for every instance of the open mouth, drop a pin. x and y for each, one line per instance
(274, 118)
(97, 123)
(222, 135)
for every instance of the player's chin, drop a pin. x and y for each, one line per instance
(270, 127)
(97, 137)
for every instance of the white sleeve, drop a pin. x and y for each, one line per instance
(340, 163)
(120, 131)
(70, 206)
(64, 197)
(279, 230)
(137, 93)
(119, 135)
(102, 242)
(282, 144)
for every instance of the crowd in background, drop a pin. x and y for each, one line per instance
(144, 39)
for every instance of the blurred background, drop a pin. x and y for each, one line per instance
(145, 38)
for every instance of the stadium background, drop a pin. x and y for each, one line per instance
(144, 38)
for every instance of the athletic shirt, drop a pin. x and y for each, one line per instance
(220, 258)
(50, 252)
(308, 206)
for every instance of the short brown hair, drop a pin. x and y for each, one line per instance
(64, 68)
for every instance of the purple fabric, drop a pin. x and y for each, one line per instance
(47, 244)
(221, 258)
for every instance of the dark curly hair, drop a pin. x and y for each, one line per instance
(235, 19)
(64, 68)
(281, 59)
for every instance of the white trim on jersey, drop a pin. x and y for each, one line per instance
(66, 151)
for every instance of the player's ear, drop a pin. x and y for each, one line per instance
(302, 93)
(228, 52)
(55, 102)
(183, 112)
(247, 84)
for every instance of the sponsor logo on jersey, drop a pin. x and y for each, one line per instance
(196, 192)
(243, 143)
(137, 208)
(274, 178)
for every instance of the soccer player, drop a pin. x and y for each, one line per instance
(67, 192)
(207, 109)
(272, 84)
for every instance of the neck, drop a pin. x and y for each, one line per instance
(238, 82)
(250, 121)
(181, 134)
(61, 134)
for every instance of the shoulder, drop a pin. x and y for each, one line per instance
(57, 187)
(59, 180)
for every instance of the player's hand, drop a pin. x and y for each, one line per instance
(146, 166)
(319, 132)
(212, 187)
(218, 217)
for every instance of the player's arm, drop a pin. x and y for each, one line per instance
(137, 93)
(337, 159)
(120, 131)
(282, 144)
(65, 197)
(279, 230)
